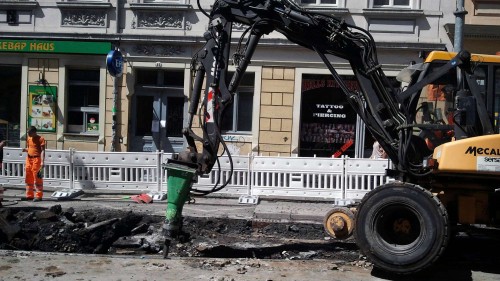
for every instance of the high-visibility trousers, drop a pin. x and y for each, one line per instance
(34, 184)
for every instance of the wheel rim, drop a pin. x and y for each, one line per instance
(399, 227)
(339, 225)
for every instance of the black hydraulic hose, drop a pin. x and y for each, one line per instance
(231, 170)
(206, 192)
(201, 9)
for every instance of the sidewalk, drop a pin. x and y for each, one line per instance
(267, 209)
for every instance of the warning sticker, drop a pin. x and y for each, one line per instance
(486, 163)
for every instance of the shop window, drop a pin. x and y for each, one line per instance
(327, 121)
(83, 101)
(392, 3)
(238, 116)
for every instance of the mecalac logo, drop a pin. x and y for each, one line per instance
(482, 151)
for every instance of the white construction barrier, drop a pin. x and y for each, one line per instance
(298, 177)
(69, 172)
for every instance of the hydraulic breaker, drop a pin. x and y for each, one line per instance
(180, 180)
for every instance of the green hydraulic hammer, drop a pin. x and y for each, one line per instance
(180, 180)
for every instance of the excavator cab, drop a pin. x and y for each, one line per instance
(440, 103)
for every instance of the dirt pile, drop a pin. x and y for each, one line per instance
(60, 230)
(106, 231)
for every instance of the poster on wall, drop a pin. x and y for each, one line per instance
(328, 122)
(42, 104)
(92, 126)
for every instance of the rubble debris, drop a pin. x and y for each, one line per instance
(110, 231)
(8, 230)
(95, 226)
(140, 229)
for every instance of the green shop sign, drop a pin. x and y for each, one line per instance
(60, 47)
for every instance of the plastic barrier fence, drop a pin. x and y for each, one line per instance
(297, 177)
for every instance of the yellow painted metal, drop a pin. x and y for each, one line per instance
(339, 223)
(446, 56)
(472, 155)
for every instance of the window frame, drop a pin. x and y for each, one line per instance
(84, 109)
(162, 1)
(235, 104)
(318, 3)
(413, 4)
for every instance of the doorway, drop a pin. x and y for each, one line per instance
(158, 111)
(10, 105)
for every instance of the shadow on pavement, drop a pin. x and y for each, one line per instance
(475, 250)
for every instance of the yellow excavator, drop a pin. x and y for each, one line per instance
(439, 130)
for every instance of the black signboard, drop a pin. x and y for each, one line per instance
(328, 122)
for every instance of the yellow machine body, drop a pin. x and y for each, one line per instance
(472, 155)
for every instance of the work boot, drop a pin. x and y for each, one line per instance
(37, 199)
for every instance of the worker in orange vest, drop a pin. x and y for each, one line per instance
(34, 164)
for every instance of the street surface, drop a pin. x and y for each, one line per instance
(274, 240)
(54, 266)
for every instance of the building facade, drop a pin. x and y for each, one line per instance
(481, 31)
(53, 75)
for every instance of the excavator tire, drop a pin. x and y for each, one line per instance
(402, 228)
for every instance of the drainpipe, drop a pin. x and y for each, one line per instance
(113, 111)
(115, 83)
(458, 44)
(459, 26)
(117, 16)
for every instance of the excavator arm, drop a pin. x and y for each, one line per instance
(388, 113)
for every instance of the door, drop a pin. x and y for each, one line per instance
(157, 122)
(10, 104)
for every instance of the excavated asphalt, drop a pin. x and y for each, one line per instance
(467, 260)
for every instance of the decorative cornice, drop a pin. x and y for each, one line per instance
(190, 40)
(178, 40)
(475, 31)
(160, 6)
(158, 50)
(401, 45)
(393, 13)
(84, 5)
(30, 5)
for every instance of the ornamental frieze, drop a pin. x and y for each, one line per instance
(158, 50)
(160, 20)
(83, 18)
